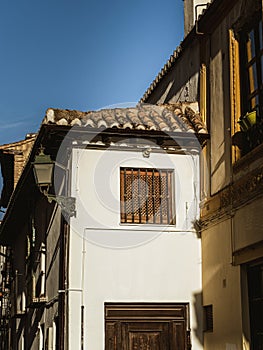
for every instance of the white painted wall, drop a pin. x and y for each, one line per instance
(111, 262)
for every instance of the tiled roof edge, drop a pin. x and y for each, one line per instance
(14, 144)
(143, 117)
(177, 52)
(168, 65)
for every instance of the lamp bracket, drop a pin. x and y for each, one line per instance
(67, 204)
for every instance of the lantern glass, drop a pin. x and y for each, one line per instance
(43, 174)
(43, 170)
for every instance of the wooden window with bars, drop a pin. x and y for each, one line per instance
(252, 65)
(147, 196)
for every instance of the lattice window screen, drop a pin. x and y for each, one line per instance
(147, 196)
(208, 318)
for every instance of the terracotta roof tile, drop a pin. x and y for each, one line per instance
(168, 118)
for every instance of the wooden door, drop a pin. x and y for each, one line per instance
(145, 328)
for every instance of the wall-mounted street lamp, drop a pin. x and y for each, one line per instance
(43, 168)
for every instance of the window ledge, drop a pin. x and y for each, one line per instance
(247, 161)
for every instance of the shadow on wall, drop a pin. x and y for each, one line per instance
(6, 178)
(180, 84)
(2, 211)
(34, 328)
(198, 309)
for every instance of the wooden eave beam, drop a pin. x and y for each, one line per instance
(169, 138)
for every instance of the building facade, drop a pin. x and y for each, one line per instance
(223, 56)
(123, 270)
(13, 157)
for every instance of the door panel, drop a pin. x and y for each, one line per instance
(145, 336)
(144, 341)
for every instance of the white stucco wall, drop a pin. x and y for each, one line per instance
(113, 262)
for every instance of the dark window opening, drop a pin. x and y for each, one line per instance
(208, 318)
(255, 294)
(251, 79)
(252, 68)
(7, 169)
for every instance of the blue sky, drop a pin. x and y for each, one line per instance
(80, 55)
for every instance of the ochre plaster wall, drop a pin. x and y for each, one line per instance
(221, 288)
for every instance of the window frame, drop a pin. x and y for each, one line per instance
(246, 65)
(132, 218)
(255, 300)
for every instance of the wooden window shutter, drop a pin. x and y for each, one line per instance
(147, 196)
(203, 92)
(234, 90)
(208, 318)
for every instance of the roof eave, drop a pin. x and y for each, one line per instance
(14, 206)
(204, 26)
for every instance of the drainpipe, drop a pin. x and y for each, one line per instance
(82, 290)
(63, 332)
(196, 19)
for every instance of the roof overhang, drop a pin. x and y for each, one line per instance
(51, 136)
